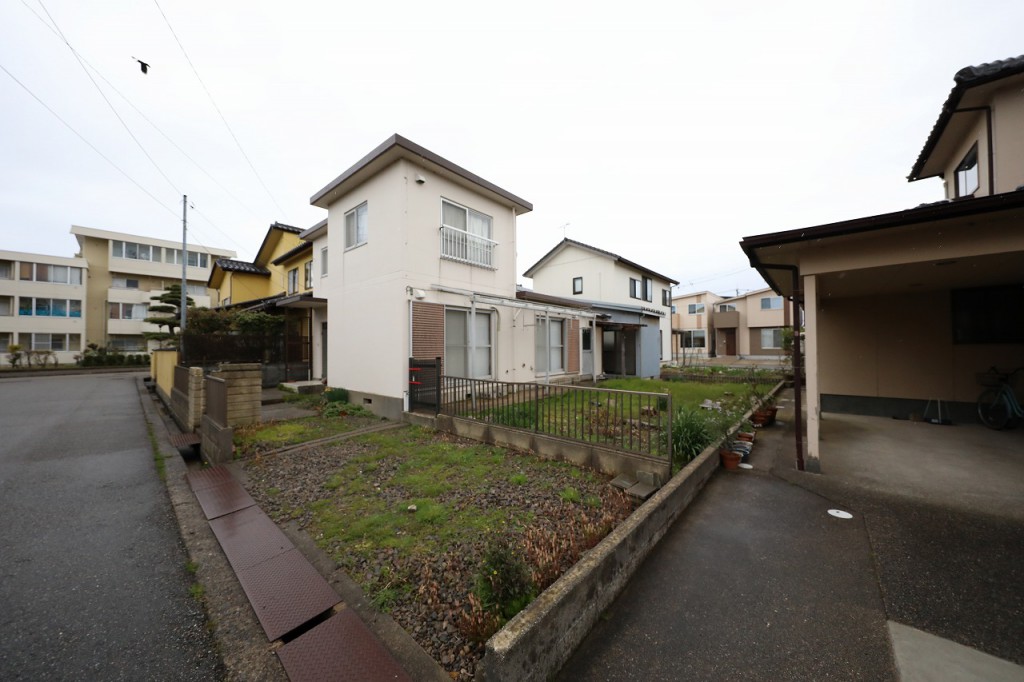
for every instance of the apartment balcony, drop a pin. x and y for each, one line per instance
(729, 319)
(464, 247)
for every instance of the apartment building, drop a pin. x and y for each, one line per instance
(43, 303)
(125, 271)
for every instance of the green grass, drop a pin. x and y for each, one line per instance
(570, 495)
(683, 394)
(197, 591)
(279, 434)
(354, 518)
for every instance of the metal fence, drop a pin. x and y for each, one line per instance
(632, 421)
(217, 400)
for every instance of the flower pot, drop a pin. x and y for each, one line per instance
(744, 436)
(730, 460)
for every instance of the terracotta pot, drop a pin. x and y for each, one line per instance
(730, 460)
(748, 437)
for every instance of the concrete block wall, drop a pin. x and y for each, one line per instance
(217, 442)
(244, 389)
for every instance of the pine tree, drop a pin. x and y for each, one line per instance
(169, 304)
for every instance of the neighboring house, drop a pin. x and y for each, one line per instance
(909, 307)
(634, 326)
(417, 260)
(692, 331)
(43, 303)
(750, 326)
(125, 272)
(279, 280)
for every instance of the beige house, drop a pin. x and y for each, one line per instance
(908, 307)
(42, 303)
(125, 272)
(417, 260)
(633, 333)
(749, 326)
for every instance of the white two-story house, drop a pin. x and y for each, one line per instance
(417, 260)
(634, 326)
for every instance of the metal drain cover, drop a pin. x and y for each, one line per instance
(840, 514)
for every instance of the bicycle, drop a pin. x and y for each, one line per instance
(998, 406)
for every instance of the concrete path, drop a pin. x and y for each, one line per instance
(93, 579)
(758, 582)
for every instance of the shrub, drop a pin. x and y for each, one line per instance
(503, 582)
(336, 395)
(693, 430)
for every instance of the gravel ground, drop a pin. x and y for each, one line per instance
(433, 588)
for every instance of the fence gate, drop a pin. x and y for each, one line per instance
(425, 384)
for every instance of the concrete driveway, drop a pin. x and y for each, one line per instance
(758, 582)
(93, 579)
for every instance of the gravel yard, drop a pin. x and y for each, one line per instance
(412, 514)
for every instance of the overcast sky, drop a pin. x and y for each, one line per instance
(660, 133)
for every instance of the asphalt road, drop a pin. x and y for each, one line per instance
(93, 578)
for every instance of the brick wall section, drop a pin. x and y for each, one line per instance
(427, 330)
(574, 347)
(244, 391)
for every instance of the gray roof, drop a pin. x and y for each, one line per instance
(231, 265)
(396, 147)
(965, 79)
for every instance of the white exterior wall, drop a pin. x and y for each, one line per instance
(370, 286)
(21, 327)
(604, 280)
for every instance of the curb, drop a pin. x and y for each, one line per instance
(238, 635)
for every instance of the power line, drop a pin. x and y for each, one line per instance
(90, 144)
(144, 117)
(105, 99)
(217, 108)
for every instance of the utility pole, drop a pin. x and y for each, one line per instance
(184, 274)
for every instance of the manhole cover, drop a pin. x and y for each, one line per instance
(840, 514)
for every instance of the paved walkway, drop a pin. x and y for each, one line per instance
(758, 582)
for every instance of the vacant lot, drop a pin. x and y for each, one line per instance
(414, 516)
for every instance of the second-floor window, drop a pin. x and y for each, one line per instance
(466, 235)
(307, 275)
(323, 262)
(577, 285)
(771, 303)
(6, 269)
(666, 297)
(43, 272)
(695, 308)
(726, 308)
(49, 307)
(129, 311)
(356, 222)
(648, 290)
(293, 280)
(967, 174)
(634, 288)
(124, 283)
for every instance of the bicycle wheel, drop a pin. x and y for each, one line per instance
(993, 409)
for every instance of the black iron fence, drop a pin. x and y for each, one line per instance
(632, 421)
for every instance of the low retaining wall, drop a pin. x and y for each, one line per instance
(605, 460)
(216, 441)
(539, 640)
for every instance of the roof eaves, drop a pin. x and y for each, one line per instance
(409, 148)
(607, 254)
(304, 246)
(965, 79)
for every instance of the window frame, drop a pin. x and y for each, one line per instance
(770, 300)
(648, 289)
(773, 331)
(464, 345)
(696, 308)
(323, 261)
(577, 286)
(307, 275)
(561, 347)
(359, 235)
(634, 288)
(690, 335)
(967, 171)
(293, 281)
(666, 298)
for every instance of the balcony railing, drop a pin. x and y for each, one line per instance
(464, 247)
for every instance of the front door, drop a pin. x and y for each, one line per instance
(730, 341)
(587, 352)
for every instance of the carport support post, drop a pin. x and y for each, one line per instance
(798, 363)
(810, 297)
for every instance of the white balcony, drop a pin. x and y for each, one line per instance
(461, 246)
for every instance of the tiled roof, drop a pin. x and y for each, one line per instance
(965, 79)
(287, 228)
(231, 265)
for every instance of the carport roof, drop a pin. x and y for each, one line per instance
(768, 252)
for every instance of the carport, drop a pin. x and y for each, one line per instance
(903, 310)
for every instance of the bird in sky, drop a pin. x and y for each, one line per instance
(144, 65)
